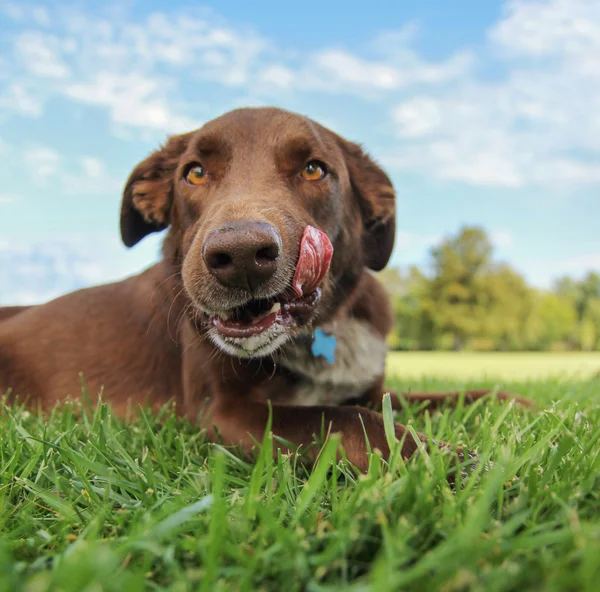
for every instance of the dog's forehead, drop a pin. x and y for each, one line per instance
(256, 121)
(252, 127)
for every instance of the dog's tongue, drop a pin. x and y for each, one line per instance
(316, 251)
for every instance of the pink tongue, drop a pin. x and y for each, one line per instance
(316, 251)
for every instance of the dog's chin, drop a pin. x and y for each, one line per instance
(259, 328)
(256, 346)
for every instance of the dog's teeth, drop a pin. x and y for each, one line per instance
(275, 308)
(224, 315)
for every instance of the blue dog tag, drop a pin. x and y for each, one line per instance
(324, 345)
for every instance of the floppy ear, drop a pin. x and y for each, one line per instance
(148, 193)
(377, 201)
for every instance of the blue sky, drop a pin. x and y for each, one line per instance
(482, 112)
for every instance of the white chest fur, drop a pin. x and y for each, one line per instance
(359, 361)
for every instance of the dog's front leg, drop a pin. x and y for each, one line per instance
(434, 400)
(243, 422)
(230, 401)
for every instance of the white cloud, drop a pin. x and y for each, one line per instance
(85, 175)
(7, 199)
(583, 263)
(136, 70)
(92, 167)
(414, 240)
(536, 123)
(394, 67)
(88, 176)
(502, 238)
(342, 68)
(417, 117)
(278, 76)
(543, 272)
(532, 120)
(40, 54)
(339, 71)
(558, 28)
(35, 271)
(132, 100)
(17, 12)
(43, 162)
(413, 247)
(13, 10)
(18, 98)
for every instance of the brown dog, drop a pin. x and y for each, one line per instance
(247, 305)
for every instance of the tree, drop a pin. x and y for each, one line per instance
(589, 336)
(393, 281)
(585, 295)
(413, 330)
(557, 318)
(457, 299)
(469, 300)
(511, 302)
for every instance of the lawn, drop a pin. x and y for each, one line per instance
(97, 504)
(510, 366)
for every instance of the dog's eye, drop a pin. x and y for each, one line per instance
(196, 175)
(314, 171)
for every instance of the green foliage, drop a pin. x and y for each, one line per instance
(457, 296)
(470, 301)
(557, 317)
(91, 503)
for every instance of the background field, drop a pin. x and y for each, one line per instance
(100, 505)
(508, 366)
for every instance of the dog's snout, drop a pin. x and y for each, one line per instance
(243, 254)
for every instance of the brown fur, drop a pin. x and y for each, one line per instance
(10, 311)
(144, 339)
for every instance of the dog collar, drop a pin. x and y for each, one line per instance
(324, 345)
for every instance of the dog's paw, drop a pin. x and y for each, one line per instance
(522, 402)
(468, 462)
(465, 462)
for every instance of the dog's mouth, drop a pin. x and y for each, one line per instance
(257, 316)
(259, 326)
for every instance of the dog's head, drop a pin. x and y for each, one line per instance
(254, 201)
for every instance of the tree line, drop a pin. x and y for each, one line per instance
(467, 300)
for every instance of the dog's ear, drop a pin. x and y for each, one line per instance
(377, 201)
(148, 193)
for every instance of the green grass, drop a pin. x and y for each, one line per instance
(95, 504)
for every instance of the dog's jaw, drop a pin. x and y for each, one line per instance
(290, 319)
(256, 346)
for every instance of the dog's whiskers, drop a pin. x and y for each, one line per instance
(169, 315)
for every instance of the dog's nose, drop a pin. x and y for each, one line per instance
(243, 254)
